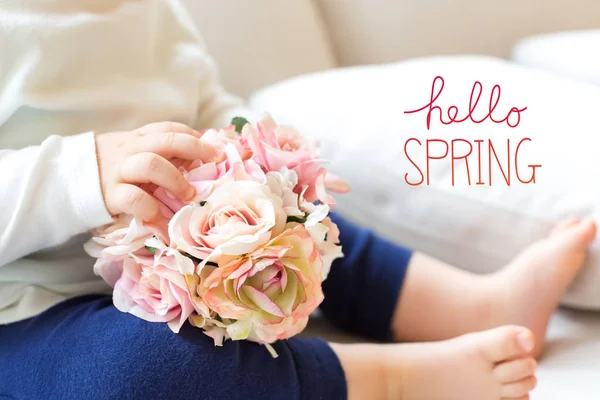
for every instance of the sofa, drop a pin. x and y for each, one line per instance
(309, 62)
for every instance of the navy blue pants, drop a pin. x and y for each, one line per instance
(84, 348)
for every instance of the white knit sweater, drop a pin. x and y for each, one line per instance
(68, 67)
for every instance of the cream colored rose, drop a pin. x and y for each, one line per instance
(236, 218)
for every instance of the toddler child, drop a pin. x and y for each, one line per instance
(73, 70)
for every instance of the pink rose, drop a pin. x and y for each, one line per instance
(155, 291)
(275, 147)
(124, 235)
(282, 184)
(205, 177)
(328, 245)
(221, 138)
(245, 258)
(270, 292)
(324, 232)
(113, 243)
(236, 218)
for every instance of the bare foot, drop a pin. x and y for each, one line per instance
(529, 289)
(491, 365)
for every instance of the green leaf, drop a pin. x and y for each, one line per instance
(151, 249)
(293, 218)
(239, 123)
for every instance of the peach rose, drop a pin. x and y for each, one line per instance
(270, 292)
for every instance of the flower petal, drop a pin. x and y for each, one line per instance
(240, 330)
(263, 301)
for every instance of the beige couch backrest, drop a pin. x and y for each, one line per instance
(376, 31)
(257, 42)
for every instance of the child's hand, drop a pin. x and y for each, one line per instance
(129, 159)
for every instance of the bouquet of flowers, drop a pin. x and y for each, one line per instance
(245, 259)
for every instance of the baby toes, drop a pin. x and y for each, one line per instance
(518, 389)
(577, 234)
(563, 225)
(506, 343)
(588, 231)
(513, 371)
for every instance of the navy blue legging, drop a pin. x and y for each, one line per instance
(84, 348)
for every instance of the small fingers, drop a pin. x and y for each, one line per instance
(131, 199)
(152, 168)
(177, 145)
(168, 126)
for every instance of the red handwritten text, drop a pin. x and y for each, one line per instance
(452, 111)
(424, 153)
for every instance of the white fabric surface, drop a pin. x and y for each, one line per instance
(357, 115)
(72, 66)
(574, 54)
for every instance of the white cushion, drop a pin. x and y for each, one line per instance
(575, 54)
(357, 114)
(259, 42)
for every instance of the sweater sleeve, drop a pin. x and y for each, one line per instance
(362, 288)
(48, 194)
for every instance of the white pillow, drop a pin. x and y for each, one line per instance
(574, 54)
(358, 115)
